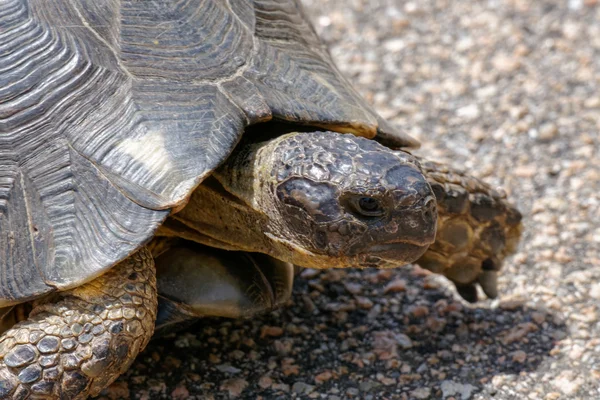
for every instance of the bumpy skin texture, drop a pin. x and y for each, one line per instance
(477, 228)
(298, 198)
(77, 344)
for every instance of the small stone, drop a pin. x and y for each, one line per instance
(302, 388)
(180, 392)
(505, 63)
(265, 382)
(397, 285)
(309, 305)
(421, 393)
(592, 102)
(118, 390)
(526, 171)
(228, 369)
(353, 288)
(394, 45)
(281, 386)
(470, 112)
(385, 344)
(310, 273)
(271, 331)
(451, 388)
(512, 304)
(290, 369)
(547, 132)
(538, 317)
(519, 332)
(567, 383)
(364, 302)
(323, 377)
(386, 380)
(419, 311)
(595, 290)
(234, 386)
(519, 356)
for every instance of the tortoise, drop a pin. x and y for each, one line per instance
(217, 140)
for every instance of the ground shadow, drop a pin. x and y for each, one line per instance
(351, 334)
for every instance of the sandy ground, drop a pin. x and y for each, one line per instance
(509, 90)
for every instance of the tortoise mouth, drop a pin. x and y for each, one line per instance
(390, 255)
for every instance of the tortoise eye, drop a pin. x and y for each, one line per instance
(368, 206)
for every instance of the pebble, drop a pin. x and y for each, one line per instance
(421, 393)
(595, 290)
(228, 369)
(265, 382)
(364, 302)
(234, 386)
(469, 112)
(505, 63)
(271, 331)
(592, 102)
(519, 356)
(567, 383)
(302, 388)
(547, 132)
(397, 285)
(118, 390)
(451, 388)
(180, 392)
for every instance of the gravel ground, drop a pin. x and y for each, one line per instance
(507, 89)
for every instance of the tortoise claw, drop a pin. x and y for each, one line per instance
(488, 280)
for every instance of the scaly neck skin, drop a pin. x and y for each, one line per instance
(216, 218)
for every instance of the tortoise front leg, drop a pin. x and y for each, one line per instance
(77, 345)
(476, 229)
(196, 281)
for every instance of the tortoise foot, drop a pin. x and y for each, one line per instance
(75, 346)
(196, 281)
(477, 229)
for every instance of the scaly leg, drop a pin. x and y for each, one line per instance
(477, 228)
(76, 345)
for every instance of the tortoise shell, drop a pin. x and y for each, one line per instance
(112, 112)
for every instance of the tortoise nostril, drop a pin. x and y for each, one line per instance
(430, 208)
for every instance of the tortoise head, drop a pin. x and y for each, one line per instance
(339, 200)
